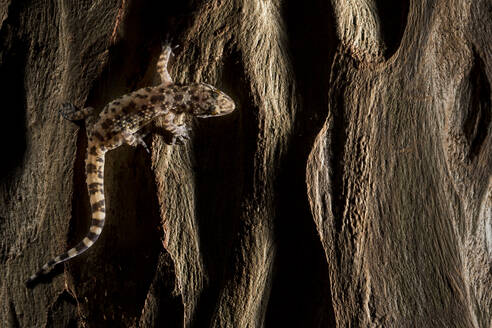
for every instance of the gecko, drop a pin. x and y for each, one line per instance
(124, 121)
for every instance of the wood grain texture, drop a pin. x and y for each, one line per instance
(399, 185)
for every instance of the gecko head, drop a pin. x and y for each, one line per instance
(211, 102)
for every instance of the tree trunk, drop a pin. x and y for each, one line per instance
(350, 188)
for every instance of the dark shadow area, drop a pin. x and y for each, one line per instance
(13, 318)
(477, 122)
(300, 296)
(13, 56)
(224, 149)
(62, 312)
(163, 311)
(393, 17)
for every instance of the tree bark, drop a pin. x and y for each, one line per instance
(399, 177)
(350, 188)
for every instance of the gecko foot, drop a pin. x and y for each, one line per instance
(72, 113)
(68, 110)
(179, 133)
(142, 143)
(135, 139)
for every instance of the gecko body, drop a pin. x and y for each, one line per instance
(123, 121)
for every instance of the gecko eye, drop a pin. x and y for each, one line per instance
(215, 94)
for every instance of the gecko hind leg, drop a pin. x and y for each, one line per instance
(135, 139)
(72, 113)
(162, 64)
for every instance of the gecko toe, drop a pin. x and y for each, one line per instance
(68, 111)
(146, 148)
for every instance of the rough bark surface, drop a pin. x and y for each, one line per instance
(351, 187)
(399, 177)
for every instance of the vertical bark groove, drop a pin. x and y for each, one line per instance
(477, 122)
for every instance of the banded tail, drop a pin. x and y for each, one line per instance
(95, 185)
(162, 64)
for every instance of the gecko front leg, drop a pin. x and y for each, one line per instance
(179, 133)
(72, 113)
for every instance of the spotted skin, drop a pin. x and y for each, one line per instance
(123, 121)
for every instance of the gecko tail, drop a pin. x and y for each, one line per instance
(95, 185)
(81, 247)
